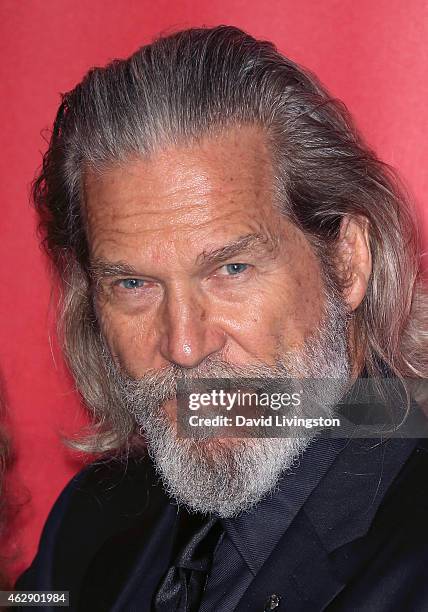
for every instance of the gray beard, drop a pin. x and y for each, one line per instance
(231, 475)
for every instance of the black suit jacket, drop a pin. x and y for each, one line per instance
(360, 542)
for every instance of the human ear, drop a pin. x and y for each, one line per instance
(354, 259)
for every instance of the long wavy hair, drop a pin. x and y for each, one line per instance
(193, 83)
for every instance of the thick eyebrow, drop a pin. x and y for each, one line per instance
(250, 243)
(100, 269)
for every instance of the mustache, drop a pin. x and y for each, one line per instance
(216, 367)
(165, 382)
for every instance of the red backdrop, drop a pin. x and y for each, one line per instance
(371, 54)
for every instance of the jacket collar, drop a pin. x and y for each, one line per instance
(256, 533)
(340, 510)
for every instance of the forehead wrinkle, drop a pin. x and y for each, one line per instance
(186, 222)
(104, 213)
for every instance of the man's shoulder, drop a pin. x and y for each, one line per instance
(395, 537)
(407, 498)
(109, 489)
(105, 498)
(393, 555)
(129, 480)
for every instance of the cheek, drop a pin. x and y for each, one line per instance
(289, 308)
(303, 304)
(296, 317)
(128, 339)
(283, 311)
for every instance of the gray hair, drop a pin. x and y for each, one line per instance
(194, 83)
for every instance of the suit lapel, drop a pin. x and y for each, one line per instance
(298, 572)
(301, 570)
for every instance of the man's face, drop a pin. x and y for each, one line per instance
(199, 275)
(194, 260)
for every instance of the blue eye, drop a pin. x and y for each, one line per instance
(236, 268)
(131, 283)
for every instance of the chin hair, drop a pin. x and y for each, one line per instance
(221, 477)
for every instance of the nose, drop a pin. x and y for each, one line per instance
(188, 333)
